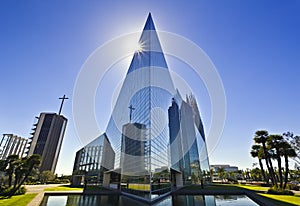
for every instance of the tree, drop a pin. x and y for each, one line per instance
(257, 151)
(287, 152)
(295, 144)
(211, 171)
(231, 176)
(46, 176)
(19, 170)
(261, 138)
(256, 174)
(275, 144)
(3, 166)
(221, 173)
(247, 174)
(10, 167)
(28, 165)
(274, 148)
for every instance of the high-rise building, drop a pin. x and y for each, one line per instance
(12, 145)
(47, 137)
(201, 142)
(133, 149)
(186, 141)
(148, 87)
(172, 133)
(159, 142)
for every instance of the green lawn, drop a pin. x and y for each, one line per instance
(20, 200)
(254, 188)
(63, 188)
(144, 187)
(280, 200)
(284, 198)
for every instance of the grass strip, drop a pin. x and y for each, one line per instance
(64, 188)
(20, 200)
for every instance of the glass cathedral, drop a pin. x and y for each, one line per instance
(156, 136)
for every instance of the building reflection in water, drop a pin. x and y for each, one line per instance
(113, 200)
(120, 200)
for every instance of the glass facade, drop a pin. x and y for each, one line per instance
(94, 159)
(188, 148)
(157, 138)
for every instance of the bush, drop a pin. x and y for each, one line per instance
(265, 185)
(293, 187)
(21, 191)
(225, 183)
(262, 184)
(59, 181)
(3, 188)
(232, 180)
(8, 191)
(64, 181)
(33, 183)
(279, 192)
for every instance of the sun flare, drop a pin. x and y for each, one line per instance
(139, 47)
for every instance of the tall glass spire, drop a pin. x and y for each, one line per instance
(150, 52)
(140, 126)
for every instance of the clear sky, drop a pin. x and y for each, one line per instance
(254, 45)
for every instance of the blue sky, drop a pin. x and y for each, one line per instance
(254, 45)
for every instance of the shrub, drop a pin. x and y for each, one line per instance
(232, 180)
(265, 184)
(64, 181)
(293, 187)
(3, 188)
(275, 191)
(21, 191)
(8, 191)
(58, 181)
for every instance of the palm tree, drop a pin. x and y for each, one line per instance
(287, 152)
(257, 152)
(274, 144)
(294, 141)
(255, 174)
(221, 173)
(211, 172)
(261, 138)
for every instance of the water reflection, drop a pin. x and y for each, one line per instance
(202, 200)
(228, 200)
(179, 200)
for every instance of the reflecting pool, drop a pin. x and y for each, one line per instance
(119, 200)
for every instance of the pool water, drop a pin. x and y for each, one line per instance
(119, 200)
